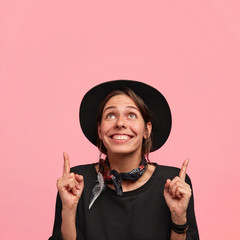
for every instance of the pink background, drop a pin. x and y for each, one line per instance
(52, 52)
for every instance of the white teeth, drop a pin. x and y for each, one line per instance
(120, 137)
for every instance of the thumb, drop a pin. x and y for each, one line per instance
(79, 178)
(166, 186)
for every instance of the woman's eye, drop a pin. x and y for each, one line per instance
(132, 115)
(111, 116)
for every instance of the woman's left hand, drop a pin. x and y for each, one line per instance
(177, 194)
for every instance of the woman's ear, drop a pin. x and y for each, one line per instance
(99, 131)
(148, 130)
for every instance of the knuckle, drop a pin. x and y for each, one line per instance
(71, 181)
(81, 177)
(59, 181)
(188, 196)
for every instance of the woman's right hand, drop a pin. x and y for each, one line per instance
(70, 186)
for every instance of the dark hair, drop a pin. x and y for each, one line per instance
(144, 110)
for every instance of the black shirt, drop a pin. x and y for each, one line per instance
(141, 214)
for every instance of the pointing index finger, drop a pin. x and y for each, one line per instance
(66, 165)
(183, 171)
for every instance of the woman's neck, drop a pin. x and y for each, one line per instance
(124, 162)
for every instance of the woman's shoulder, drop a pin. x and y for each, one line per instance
(167, 169)
(169, 172)
(85, 170)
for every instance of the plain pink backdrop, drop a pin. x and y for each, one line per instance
(52, 52)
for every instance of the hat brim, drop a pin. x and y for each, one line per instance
(162, 120)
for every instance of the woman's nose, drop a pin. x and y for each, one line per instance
(121, 122)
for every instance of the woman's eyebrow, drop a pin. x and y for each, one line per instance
(133, 107)
(110, 107)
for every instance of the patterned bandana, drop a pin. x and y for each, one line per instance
(108, 176)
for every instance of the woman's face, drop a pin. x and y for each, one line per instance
(122, 128)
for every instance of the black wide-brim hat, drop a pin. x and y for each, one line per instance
(162, 120)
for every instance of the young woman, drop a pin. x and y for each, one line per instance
(124, 195)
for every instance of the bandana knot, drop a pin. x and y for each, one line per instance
(108, 176)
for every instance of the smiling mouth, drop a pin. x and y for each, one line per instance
(120, 137)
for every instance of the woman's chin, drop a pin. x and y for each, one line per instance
(122, 151)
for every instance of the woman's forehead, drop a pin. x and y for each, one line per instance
(120, 101)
